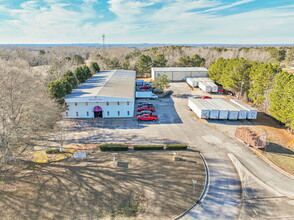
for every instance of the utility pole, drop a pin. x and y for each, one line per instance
(103, 39)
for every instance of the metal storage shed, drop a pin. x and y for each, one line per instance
(179, 73)
(213, 110)
(242, 111)
(214, 87)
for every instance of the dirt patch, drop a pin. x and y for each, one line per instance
(136, 185)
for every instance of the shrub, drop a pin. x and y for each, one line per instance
(148, 147)
(113, 147)
(53, 151)
(176, 147)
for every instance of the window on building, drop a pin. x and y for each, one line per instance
(128, 103)
(76, 104)
(86, 103)
(128, 112)
(77, 114)
(107, 103)
(118, 113)
(87, 113)
(107, 113)
(117, 103)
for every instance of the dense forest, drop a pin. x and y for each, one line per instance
(33, 81)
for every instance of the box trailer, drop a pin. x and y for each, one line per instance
(192, 82)
(233, 111)
(213, 110)
(204, 86)
(223, 111)
(242, 111)
(198, 108)
(214, 87)
(144, 94)
(251, 112)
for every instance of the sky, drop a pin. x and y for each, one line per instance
(146, 21)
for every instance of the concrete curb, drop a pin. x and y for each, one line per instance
(204, 192)
(272, 164)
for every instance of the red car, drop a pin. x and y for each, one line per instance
(143, 108)
(147, 117)
(206, 97)
(145, 87)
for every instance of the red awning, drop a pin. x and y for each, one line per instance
(97, 109)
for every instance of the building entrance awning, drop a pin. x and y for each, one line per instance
(97, 109)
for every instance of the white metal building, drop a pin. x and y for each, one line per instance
(179, 73)
(107, 94)
(251, 112)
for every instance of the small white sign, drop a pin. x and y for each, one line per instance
(194, 181)
(80, 155)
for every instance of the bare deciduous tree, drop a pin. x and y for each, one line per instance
(25, 107)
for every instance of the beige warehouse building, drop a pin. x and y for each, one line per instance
(179, 73)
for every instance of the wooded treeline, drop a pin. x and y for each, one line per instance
(263, 84)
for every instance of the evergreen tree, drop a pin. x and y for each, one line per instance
(143, 64)
(94, 67)
(159, 60)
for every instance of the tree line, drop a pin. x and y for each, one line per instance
(70, 80)
(263, 84)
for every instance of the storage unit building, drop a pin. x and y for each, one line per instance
(199, 108)
(251, 112)
(107, 94)
(179, 73)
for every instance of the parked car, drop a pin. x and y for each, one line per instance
(145, 87)
(154, 97)
(206, 97)
(144, 102)
(148, 105)
(147, 117)
(148, 112)
(145, 108)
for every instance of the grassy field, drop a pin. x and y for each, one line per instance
(138, 185)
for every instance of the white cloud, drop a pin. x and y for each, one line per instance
(178, 21)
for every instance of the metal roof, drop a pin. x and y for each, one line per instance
(243, 105)
(200, 79)
(112, 83)
(200, 103)
(180, 69)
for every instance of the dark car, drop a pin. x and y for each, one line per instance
(145, 108)
(148, 105)
(148, 112)
(143, 102)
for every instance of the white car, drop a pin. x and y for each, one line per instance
(154, 96)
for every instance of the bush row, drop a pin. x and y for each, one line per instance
(112, 147)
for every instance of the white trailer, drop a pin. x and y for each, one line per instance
(204, 86)
(192, 82)
(223, 111)
(251, 112)
(146, 95)
(197, 106)
(213, 110)
(233, 111)
(214, 87)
